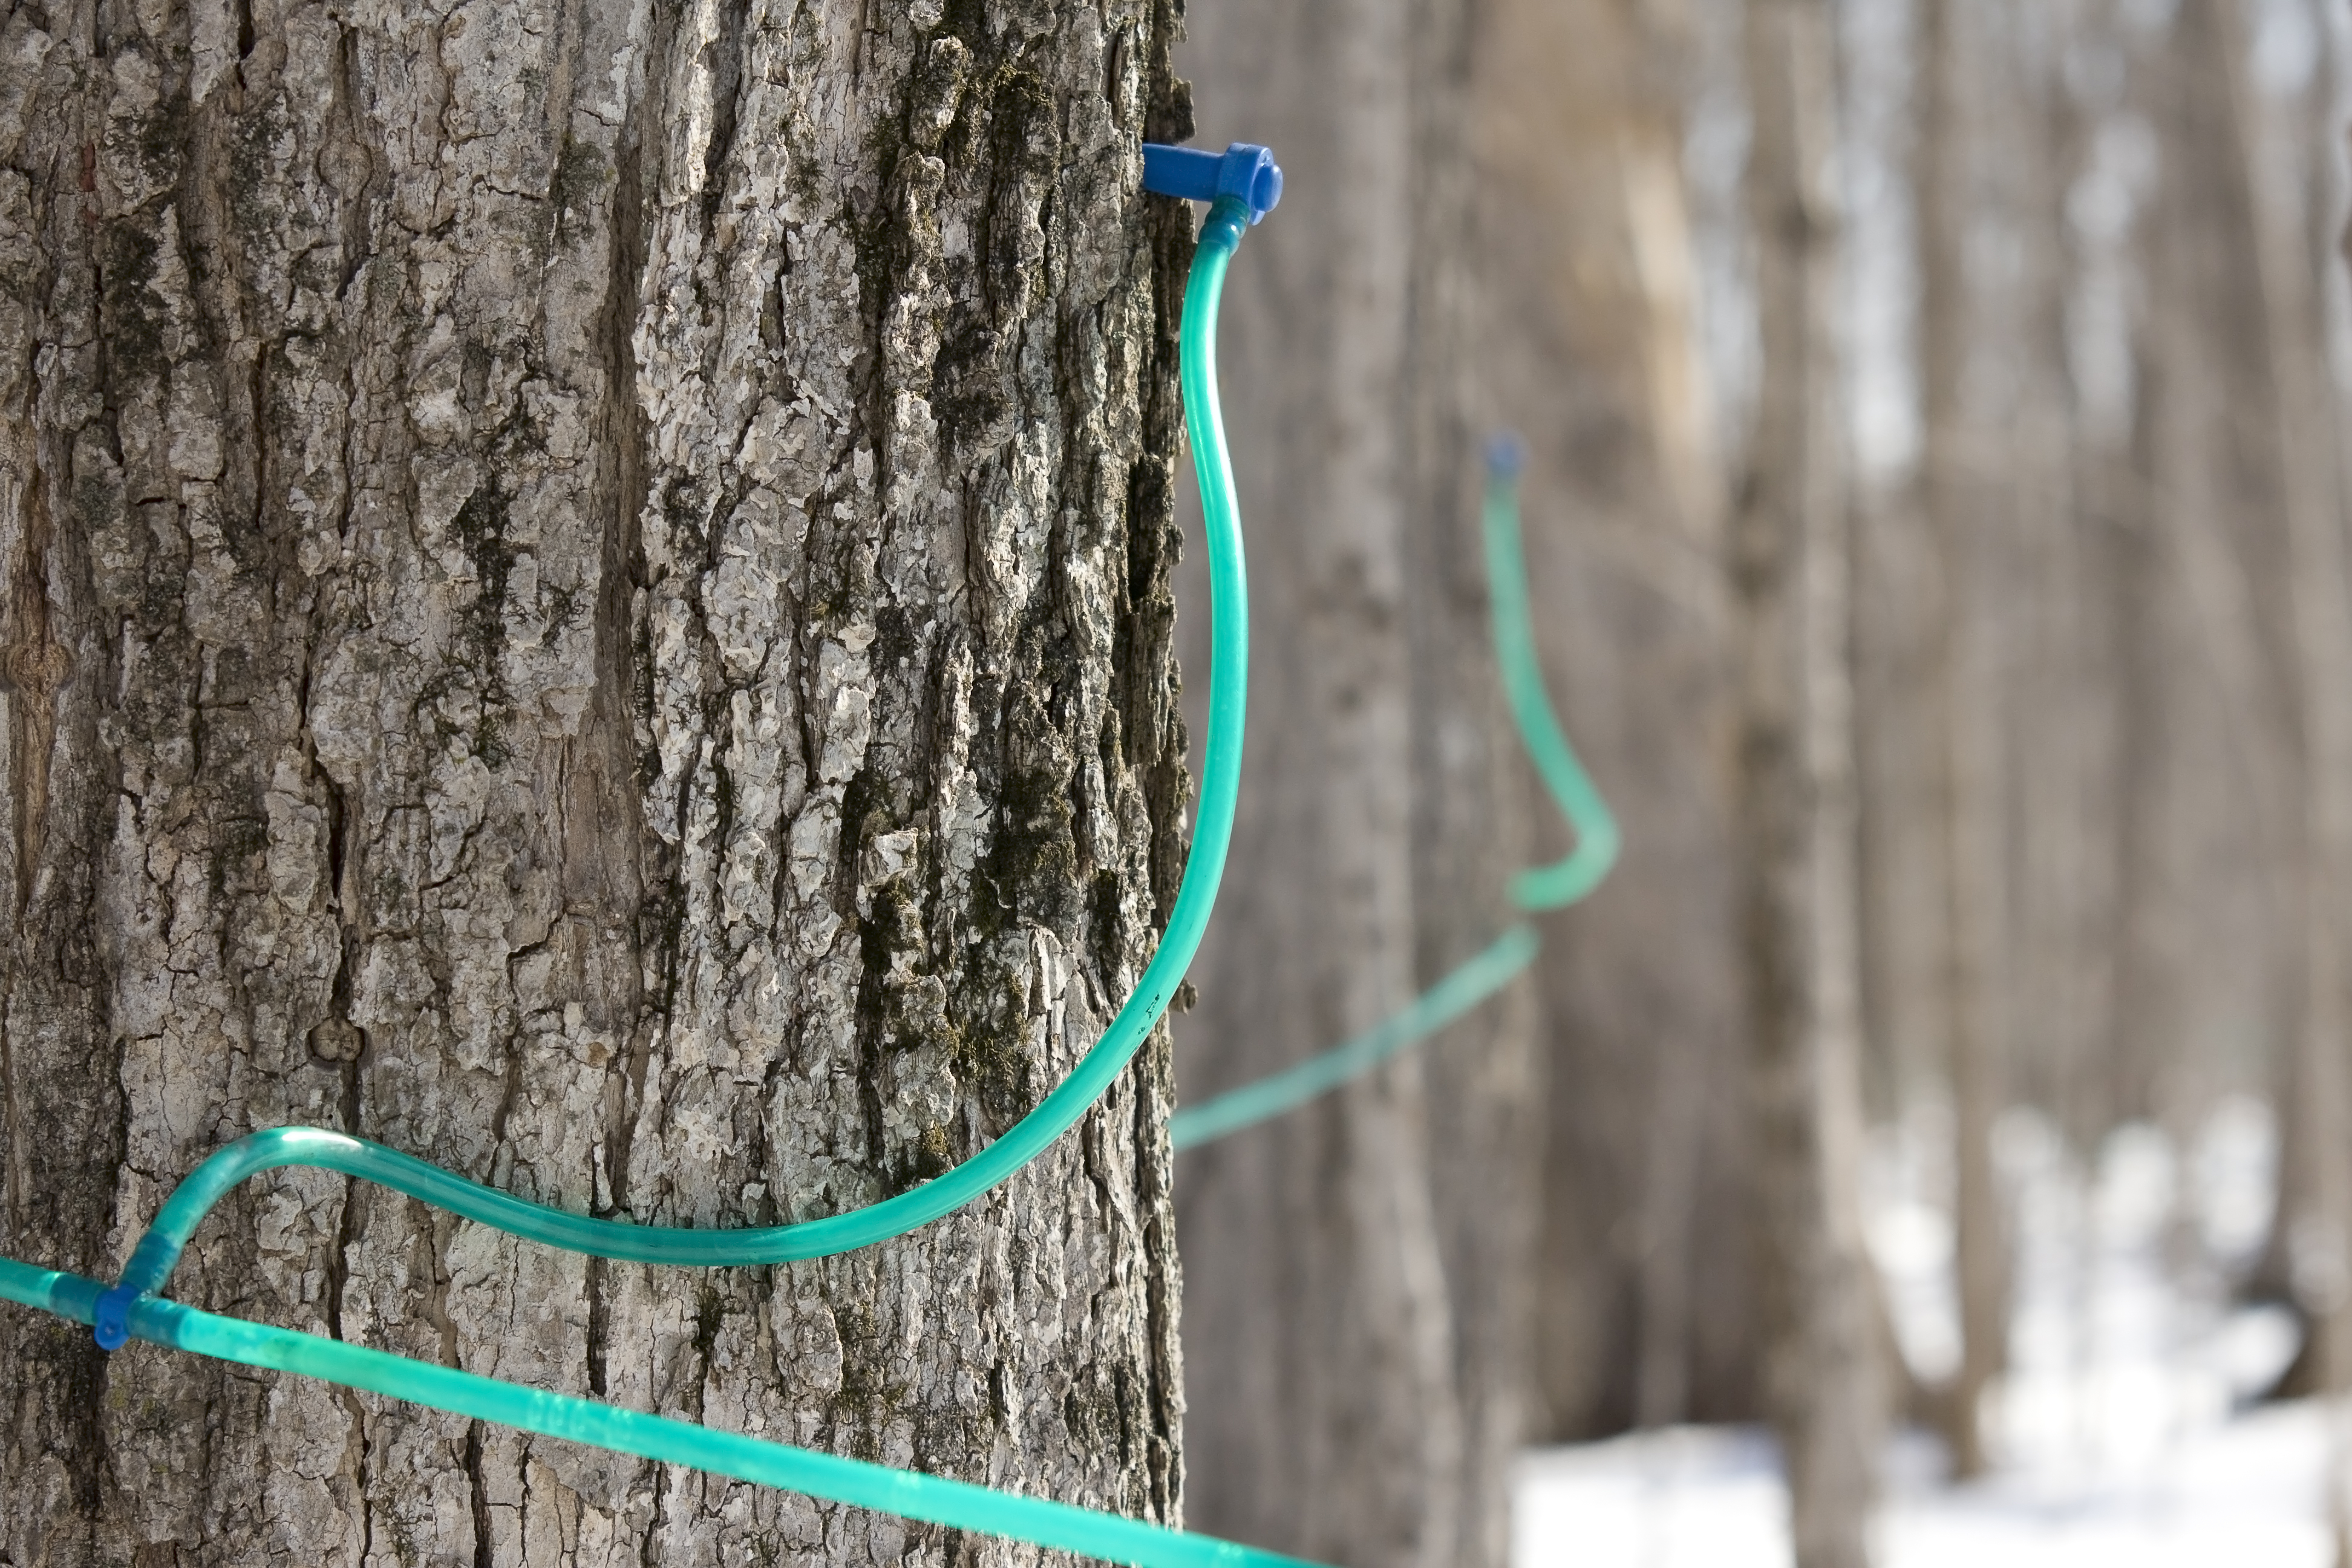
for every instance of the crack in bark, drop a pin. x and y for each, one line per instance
(33, 665)
(478, 1494)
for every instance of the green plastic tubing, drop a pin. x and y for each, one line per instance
(956, 1504)
(1538, 889)
(1467, 986)
(131, 1309)
(1556, 886)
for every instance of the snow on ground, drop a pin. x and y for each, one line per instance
(2121, 1434)
(2241, 1494)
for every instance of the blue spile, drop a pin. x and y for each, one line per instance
(1244, 169)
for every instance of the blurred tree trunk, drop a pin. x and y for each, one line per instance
(1958, 484)
(2285, 274)
(2209, 778)
(1646, 1306)
(1486, 1080)
(2245, 433)
(586, 595)
(2079, 1043)
(2281, 263)
(1353, 1293)
(2057, 698)
(1789, 555)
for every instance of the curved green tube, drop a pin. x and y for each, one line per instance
(1476, 979)
(152, 1260)
(130, 1309)
(1535, 889)
(1560, 885)
(957, 1504)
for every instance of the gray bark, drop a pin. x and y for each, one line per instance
(1790, 550)
(587, 596)
(1354, 1273)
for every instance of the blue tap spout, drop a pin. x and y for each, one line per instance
(1244, 169)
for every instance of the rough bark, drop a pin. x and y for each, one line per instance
(587, 596)
(1790, 562)
(1352, 1270)
(1646, 1305)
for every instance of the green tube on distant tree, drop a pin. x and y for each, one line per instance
(1533, 890)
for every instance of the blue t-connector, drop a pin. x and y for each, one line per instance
(1505, 456)
(1243, 169)
(112, 1324)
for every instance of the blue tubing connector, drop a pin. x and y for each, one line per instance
(1505, 459)
(1244, 169)
(110, 1324)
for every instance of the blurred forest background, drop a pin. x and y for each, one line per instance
(1937, 509)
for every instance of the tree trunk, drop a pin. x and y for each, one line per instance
(1472, 785)
(1353, 1290)
(2281, 265)
(1646, 1305)
(2212, 778)
(1959, 485)
(1789, 554)
(2244, 430)
(587, 596)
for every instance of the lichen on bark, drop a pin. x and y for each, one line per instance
(587, 597)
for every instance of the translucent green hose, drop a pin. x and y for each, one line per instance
(1556, 886)
(1462, 989)
(956, 1504)
(131, 1309)
(1542, 887)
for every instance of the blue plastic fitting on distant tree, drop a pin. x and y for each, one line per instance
(1243, 169)
(1505, 459)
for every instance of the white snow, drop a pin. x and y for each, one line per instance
(2244, 1493)
(2120, 1434)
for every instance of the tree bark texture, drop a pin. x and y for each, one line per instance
(1645, 1311)
(587, 594)
(1791, 558)
(1354, 1273)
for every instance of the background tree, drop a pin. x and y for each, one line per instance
(1590, 297)
(1355, 1277)
(1789, 554)
(2248, 494)
(587, 596)
(1964, 491)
